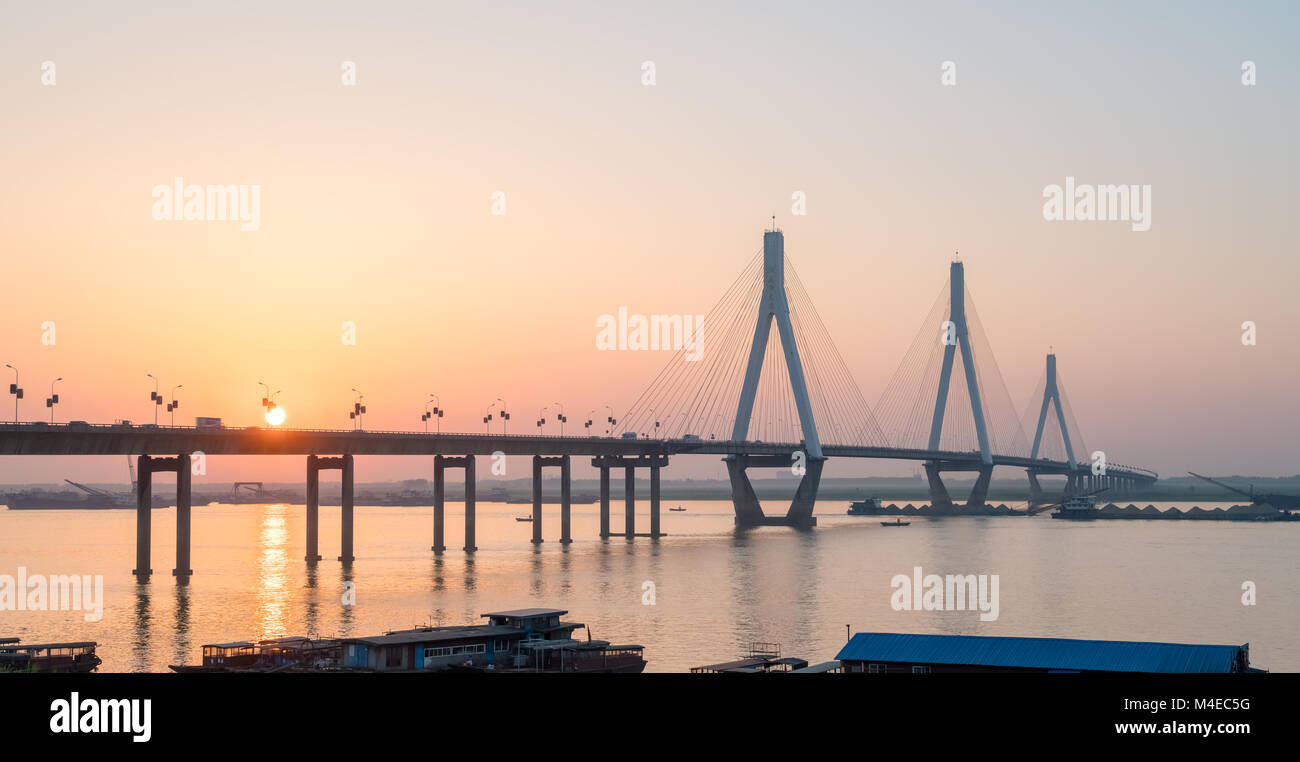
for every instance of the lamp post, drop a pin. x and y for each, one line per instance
(505, 417)
(155, 398)
(591, 416)
(541, 419)
(435, 413)
(610, 419)
(562, 418)
(171, 406)
(358, 411)
(53, 399)
(487, 417)
(15, 390)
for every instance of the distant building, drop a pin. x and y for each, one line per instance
(881, 652)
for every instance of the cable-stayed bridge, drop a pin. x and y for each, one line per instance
(768, 390)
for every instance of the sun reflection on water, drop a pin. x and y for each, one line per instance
(272, 589)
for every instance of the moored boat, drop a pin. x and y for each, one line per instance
(48, 657)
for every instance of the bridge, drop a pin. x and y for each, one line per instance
(757, 398)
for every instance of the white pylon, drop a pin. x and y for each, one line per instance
(1052, 394)
(774, 305)
(961, 337)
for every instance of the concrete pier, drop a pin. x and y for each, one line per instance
(313, 509)
(143, 519)
(537, 499)
(629, 464)
(471, 490)
(345, 541)
(439, 494)
(629, 502)
(183, 479)
(654, 502)
(440, 464)
(939, 497)
(316, 464)
(566, 500)
(147, 467)
(604, 499)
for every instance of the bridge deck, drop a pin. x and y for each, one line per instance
(118, 439)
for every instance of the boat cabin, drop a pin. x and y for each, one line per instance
(479, 645)
(238, 654)
(48, 657)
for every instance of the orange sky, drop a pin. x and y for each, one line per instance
(376, 208)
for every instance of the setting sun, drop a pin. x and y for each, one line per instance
(275, 416)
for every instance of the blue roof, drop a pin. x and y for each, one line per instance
(1039, 653)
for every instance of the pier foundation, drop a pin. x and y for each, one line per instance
(345, 540)
(440, 464)
(147, 466)
(316, 464)
(941, 501)
(562, 463)
(604, 497)
(749, 512)
(630, 464)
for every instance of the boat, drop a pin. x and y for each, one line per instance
(765, 658)
(895, 523)
(523, 518)
(678, 508)
(868, 507)
(48, 657)
(289, 654)
(1078, 507)
(523, 640)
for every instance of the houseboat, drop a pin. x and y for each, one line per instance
(47, 657)
(522, 640)
(290, 654)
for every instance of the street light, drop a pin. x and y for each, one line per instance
(591, 416)
(561, 417)
(487, 417)
(53, 399)
(610, 419)
(171, 406)
(358, 410)
(155, 398)
(505, 417)
(15, 390)
(437, 412)
(541, 419)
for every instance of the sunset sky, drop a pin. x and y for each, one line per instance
(376, 207)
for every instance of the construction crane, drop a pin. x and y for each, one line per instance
(1280, 502)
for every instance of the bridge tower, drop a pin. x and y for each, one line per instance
(1052, 398)
(774, 306)
(956, 336)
